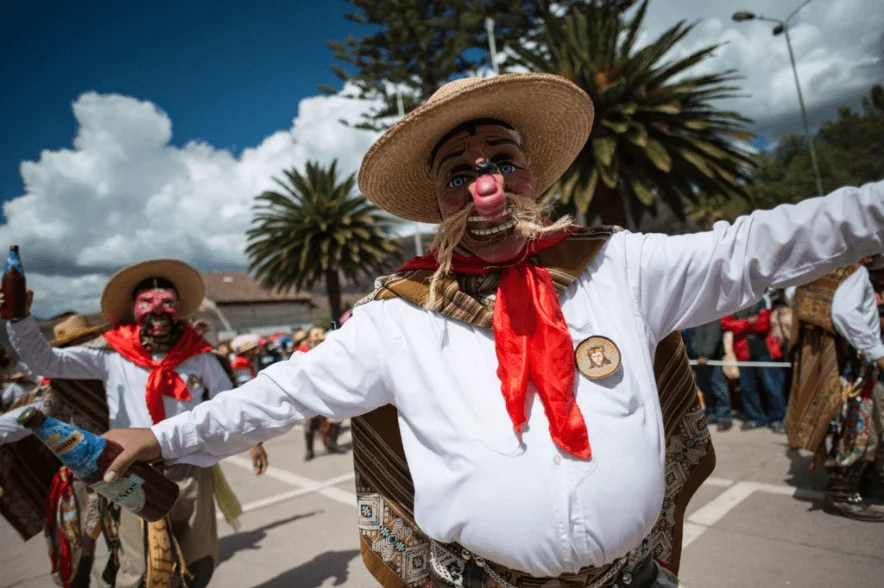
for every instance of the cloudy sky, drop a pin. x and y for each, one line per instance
(132, 133)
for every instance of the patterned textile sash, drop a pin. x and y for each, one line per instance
(393, 547)
(813, 301)
(815, 397)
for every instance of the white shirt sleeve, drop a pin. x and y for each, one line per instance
(73, 363)
(855, 314)
(688, 280)
(342, 377)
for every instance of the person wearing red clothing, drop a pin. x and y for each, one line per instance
(753, 342)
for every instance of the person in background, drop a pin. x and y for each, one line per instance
(155, 365)
(267, 355)
(245, 359)
(838, 353)
(753, 342)
(704, 343)
(330, 428)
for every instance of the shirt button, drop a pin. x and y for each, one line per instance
(557, 459)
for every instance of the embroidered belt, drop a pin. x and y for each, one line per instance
(452, 566)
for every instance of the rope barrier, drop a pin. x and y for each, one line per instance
(773, 364)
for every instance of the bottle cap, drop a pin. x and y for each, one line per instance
(26, 415)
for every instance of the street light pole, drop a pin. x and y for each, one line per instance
(813, 162)
(783, 27)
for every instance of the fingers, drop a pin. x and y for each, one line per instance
(120, 465)
(135, 445)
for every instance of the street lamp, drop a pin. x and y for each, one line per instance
(783, 27)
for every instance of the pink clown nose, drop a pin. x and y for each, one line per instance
(489, 196)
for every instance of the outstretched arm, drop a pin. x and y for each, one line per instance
(341, 378)
(73, 363)
(687, 280)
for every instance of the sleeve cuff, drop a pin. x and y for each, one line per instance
(23, 327)
(876, 352)
(176, 436)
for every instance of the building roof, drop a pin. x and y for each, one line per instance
(241, 288)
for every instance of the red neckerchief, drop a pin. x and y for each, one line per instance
(163, 379)
(531, 340)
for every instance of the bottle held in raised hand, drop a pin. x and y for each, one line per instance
(142, 490)
(14, 287)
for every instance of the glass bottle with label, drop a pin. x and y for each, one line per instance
(142, 490)
(14, 287)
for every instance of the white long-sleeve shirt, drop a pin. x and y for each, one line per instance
(529, 506)
(124, 382)
(855, 313)
(10, 430)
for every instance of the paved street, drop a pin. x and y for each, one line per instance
(756, 523)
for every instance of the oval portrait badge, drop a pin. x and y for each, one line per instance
(597, 357)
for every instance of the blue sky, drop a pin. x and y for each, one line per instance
(226, 72)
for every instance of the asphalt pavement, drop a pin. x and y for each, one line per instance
(757, 522)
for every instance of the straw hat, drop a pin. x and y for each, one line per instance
(75, 327)
(553, 115)
(243, 343)
(118, 295)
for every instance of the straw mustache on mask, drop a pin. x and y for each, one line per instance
(530, 218)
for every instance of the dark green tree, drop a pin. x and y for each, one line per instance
(317, 228)
(657, 135)
(422, 44)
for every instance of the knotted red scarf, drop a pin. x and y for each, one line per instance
(163, 379)
(531, 340)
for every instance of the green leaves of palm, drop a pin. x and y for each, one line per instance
(317, 228)
(656, 132)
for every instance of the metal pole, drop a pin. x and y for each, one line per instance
(418, 246)
(492, 44)
(816, 169)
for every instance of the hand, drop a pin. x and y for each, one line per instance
(137, 444)
(880, 363)
(702, 361)
(260, 461)
(29, 300)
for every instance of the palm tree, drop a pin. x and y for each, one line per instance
(315, 229)
(656, 134)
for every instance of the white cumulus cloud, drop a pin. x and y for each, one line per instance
(122, 193)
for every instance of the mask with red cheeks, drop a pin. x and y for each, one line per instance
(156, 310)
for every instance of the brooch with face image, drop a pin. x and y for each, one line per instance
(597, 357)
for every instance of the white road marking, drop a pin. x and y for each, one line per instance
(309, 485)
(716, 509)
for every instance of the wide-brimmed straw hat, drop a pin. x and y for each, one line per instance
(73, 329)
(118, 295)
(553, 115)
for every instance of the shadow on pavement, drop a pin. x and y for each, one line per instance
(230, 544)
(314, 573)
(802, 477)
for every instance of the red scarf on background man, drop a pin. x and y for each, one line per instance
(531, 339)
(163, 379)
